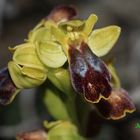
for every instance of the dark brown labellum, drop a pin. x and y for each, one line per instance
(7, 88)
(89, 74)
(117, 105)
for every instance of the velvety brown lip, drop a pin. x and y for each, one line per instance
(62, 12)
(7, 87)
(117, 105)
(89, 74)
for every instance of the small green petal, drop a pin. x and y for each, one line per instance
(25, 55)
(58, 34)
(89, 24)
(51, 54)
(20, 80)
(102, 40)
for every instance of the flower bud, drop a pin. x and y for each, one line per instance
(61, 79)
(8, 90)
(25, 78)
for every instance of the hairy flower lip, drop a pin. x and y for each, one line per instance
(8, 90)
(117, 105)
(89, 74)
(62, 13)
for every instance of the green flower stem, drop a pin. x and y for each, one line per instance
(60, 78)
(71, 107)
(82, 113)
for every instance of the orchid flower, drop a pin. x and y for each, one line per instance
(75, 41)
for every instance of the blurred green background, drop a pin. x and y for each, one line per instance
(27, 112)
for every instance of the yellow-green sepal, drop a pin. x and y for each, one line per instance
(21, 80)
(72, 25)
(101, 41)
(25, 55)
(51, 54)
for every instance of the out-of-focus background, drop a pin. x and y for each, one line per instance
(18, 17)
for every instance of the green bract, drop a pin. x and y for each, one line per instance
(53, 100)
(73, 25)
